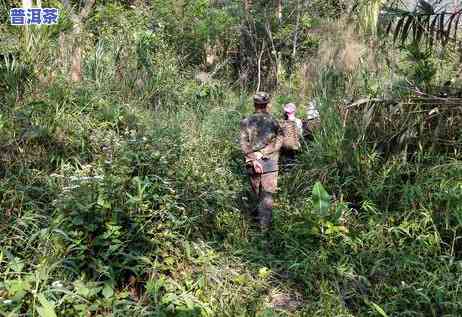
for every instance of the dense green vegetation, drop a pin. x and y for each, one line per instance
(122, 188)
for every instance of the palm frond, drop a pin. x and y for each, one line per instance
(425, 24)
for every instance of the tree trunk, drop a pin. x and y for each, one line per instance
(78, 22)
(294, 46)
(76, 64)
(62, 50)
(211, 56)
(179, 6)
(247, 6)
(279, 10)
(243, 72)
(259, 66)
(76, 69)
(121, 63)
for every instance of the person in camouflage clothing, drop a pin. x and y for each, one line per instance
(261, 139)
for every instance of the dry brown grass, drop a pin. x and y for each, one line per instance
(340, 48)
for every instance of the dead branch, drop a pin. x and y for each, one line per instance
(259, 64)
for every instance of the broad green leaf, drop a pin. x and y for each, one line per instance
(332, 229)
(339, 210)
(378, 309)
(321, 199)
(458, 214)
(16, 265)
(17, 286)
(2, 122)
(103, 202)
(169, 298)
(81, 289)
(107, 290)
(47, 309)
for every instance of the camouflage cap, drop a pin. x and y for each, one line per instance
(261, 98)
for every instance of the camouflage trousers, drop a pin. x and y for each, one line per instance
(264, 186)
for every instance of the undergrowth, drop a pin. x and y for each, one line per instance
(128, 198)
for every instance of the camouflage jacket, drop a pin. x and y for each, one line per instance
(260, 133)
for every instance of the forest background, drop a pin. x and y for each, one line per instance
(122, 188)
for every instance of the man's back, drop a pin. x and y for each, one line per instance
(258, 131)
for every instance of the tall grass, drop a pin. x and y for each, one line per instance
(129, 198)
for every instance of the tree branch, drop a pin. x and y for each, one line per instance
(69, 8)
(294, 47)
(86, 9)
(273, 52)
